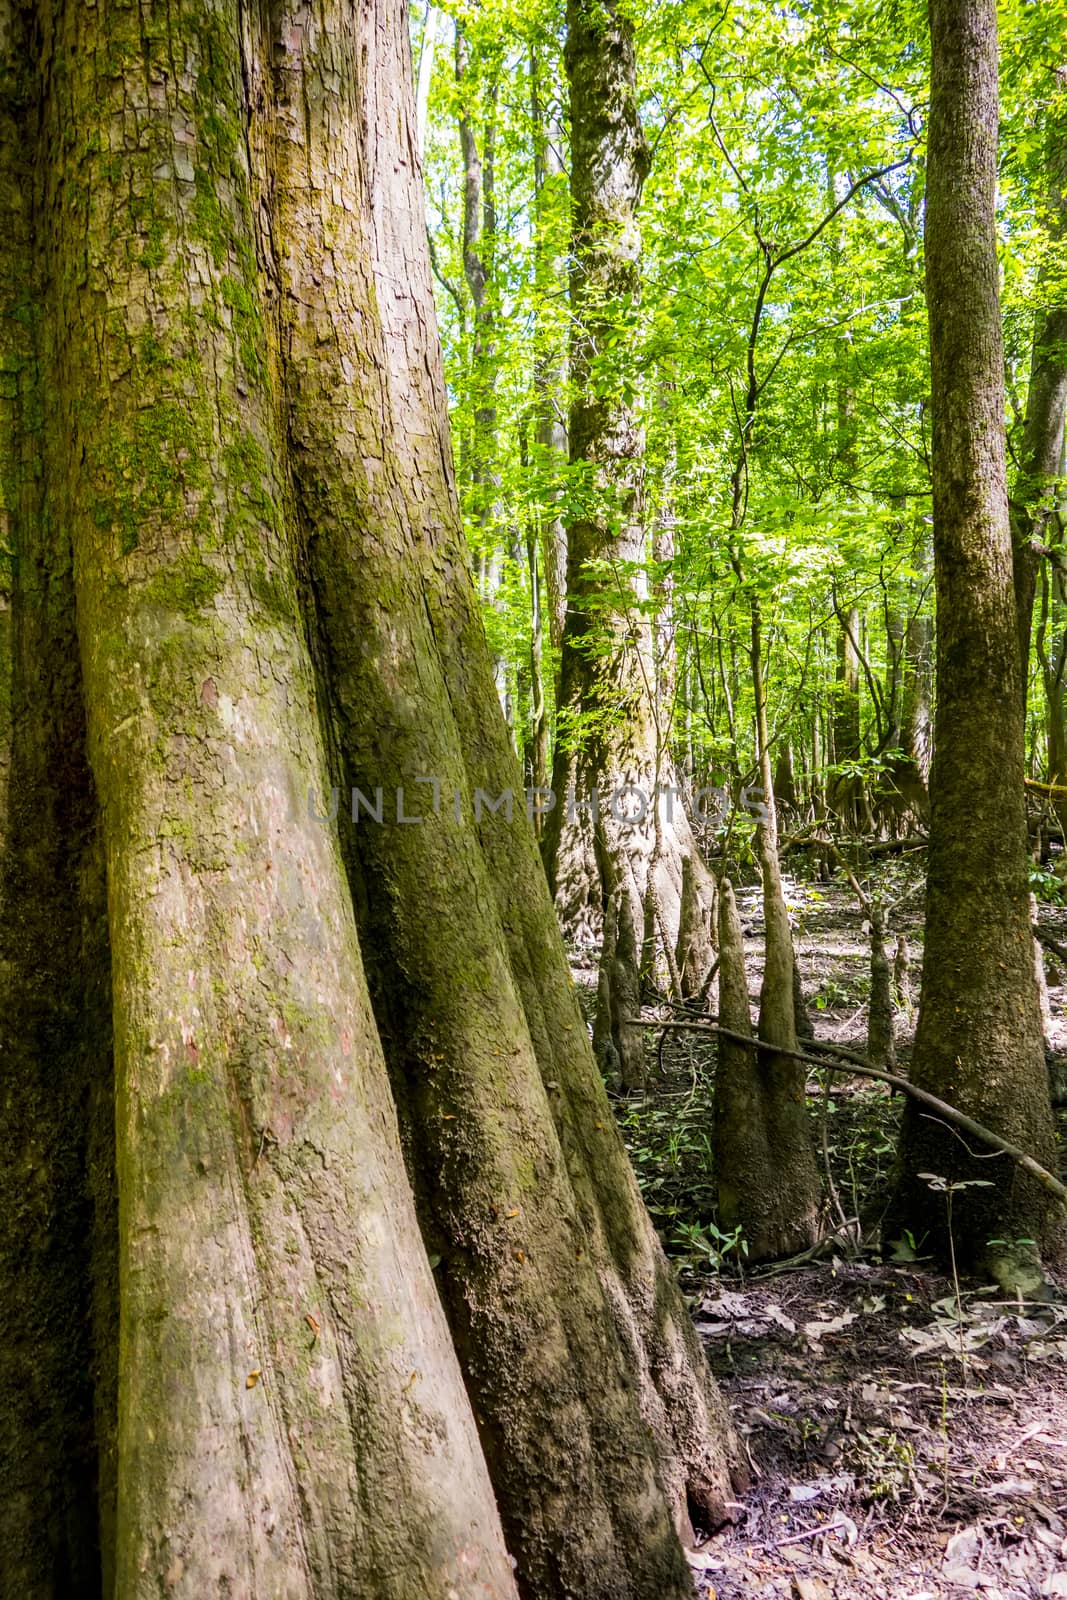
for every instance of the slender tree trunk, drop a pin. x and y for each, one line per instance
(538, 765)
(1052, 660)
(785, 783)
(551, 355)
(479, 270)
(847, 788)
(1041, 456)
(978, 1042)
(895, 634)
(789, 1208)
(904, 788)
(744, 1165)
(427, 51)
(751, 1157)
(917, 720)
(881, 1044)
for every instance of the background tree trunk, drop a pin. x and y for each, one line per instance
(1041, 455)
(550, 398)
(978, 1043)
(611, 733)
(881, 1044)
(789, 1207)
(846, 790)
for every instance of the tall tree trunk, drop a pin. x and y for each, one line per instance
(479, 270)
(613, 836)
(917, 685)
(234, 410)
(789, 1208)
(1041, 455)
(1052, 659)
(538, 762)
(904, 790)
(551, 353)
(846, 790)
(881, 1044)
(978, 1042)
(427, 51)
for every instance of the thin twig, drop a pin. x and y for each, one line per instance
(809, 1533)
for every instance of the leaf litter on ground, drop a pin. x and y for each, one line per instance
(885, 1467)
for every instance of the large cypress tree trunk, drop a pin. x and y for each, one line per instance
(242, 429)
(612, 838)
(978, 1043)
(281, 1347)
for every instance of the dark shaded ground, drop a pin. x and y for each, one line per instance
(904, 1443)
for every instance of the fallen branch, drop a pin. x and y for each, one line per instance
(808, 1533)
(890, 847)
(1052, 791)
(1049, 941)
(861, 1068)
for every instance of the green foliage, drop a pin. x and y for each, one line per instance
(668, 1139)
(1047, 886)
(706, 1248)
(778, 353)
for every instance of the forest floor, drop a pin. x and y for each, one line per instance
(905, 1441)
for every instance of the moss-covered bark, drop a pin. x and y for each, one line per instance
(978, 1042)
(284, 1366)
